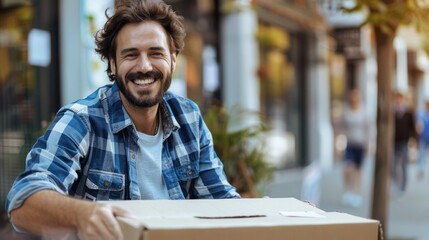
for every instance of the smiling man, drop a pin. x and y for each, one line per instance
(131, 139)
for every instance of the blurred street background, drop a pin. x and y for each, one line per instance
(408, 217)
(292, 62)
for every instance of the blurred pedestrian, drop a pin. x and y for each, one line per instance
(356, 127)
(423, 132)
(404, 130)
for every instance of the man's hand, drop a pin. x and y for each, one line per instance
(99, 222)
(52, 215)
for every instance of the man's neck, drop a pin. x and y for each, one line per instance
(145, 120)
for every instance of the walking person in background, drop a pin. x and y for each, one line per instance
(422, 128)
(404, 130)
(356, 127)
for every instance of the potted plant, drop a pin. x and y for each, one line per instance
(241, 151)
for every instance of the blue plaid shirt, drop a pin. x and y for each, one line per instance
(90, 149)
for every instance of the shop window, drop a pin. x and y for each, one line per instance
(17, 85)
(280, 87)
(28, 83)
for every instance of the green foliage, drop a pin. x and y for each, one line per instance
(231, 146)
(388, 15)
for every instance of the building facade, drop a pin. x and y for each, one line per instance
(29, 86)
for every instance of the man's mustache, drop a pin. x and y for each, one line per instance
(139, 75)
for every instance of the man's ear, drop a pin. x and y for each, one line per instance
(112, 65)
(173, 61)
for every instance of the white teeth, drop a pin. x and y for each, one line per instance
(144, 81)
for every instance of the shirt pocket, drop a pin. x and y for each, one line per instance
(187, 172)
(102, 185)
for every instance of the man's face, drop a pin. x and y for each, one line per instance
(144, 64)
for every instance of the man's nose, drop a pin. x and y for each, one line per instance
(145, 63)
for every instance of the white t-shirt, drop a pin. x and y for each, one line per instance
(149, 167)
(357, 126)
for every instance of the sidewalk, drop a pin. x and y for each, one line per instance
(408, 214)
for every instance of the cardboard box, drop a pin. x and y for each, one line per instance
(238, 219)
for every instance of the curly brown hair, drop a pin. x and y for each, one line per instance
(135, 11)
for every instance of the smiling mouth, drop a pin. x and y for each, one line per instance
(144, 79)
(144, 82)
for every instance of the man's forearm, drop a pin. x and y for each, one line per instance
(47, 212)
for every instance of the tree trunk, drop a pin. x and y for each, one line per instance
(385, 65)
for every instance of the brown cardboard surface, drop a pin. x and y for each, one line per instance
(165, 219)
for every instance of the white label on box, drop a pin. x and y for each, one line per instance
(306, 214)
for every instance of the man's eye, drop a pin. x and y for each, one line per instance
(157, 54)
(132, 55)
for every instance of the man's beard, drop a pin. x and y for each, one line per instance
(144, 102)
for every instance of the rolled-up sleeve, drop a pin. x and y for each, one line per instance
(212, 182)
(53, 161)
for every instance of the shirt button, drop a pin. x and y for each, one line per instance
(106, 183)
(133, 156)
(190, 171)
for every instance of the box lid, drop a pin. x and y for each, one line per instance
(241, 219)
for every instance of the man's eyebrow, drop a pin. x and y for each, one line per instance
(128, 50)
(157, 49)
